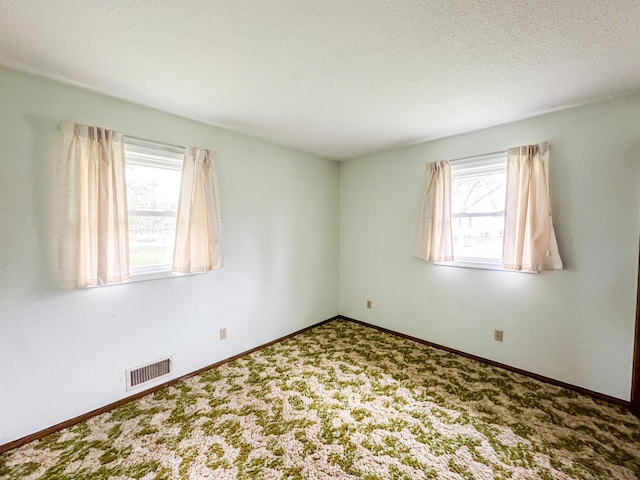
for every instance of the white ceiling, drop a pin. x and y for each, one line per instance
(337, 78)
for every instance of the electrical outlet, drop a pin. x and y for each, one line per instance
(223, 334)
(498, 335)
(369, 304)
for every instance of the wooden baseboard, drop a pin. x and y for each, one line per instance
(81, 418)
(85, 416)
(542, 378)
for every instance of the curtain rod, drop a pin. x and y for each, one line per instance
(181, 147)
(146, 140)
(499, 152)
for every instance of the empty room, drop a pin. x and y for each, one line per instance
(319, 239)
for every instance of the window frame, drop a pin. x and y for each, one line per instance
(155, 155)
(493, 163)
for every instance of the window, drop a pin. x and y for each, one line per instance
(478, 192)
(126, 208)
(470, 218)
(153, 176)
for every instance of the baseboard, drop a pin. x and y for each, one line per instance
(81, 418)
(542, 378)
(86, 416)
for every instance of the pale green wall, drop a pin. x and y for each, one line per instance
(64, 353)
(575, 325)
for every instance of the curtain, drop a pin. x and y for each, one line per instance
(198, 245)
(529, 239)
(434, 241)
(93, 246)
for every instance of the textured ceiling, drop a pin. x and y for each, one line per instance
(337, 78)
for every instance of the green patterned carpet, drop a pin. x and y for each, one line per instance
(345, 401)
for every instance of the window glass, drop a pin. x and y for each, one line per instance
(153, 188)
(478, 192)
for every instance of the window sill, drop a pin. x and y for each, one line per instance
(481, 264)
(143, 277)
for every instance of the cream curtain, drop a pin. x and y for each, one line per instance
(93, 244)
(198, 246)
(529, 239)
(434, 240)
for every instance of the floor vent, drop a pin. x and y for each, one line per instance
(140, 375)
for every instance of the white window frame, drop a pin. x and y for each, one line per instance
(469, 167)
(156, 155)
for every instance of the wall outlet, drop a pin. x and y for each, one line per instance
(369, 304)
(223, 334)
(498, 335)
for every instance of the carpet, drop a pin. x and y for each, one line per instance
(344, 401)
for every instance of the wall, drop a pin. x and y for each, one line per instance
(64, 352)
(574, 325)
